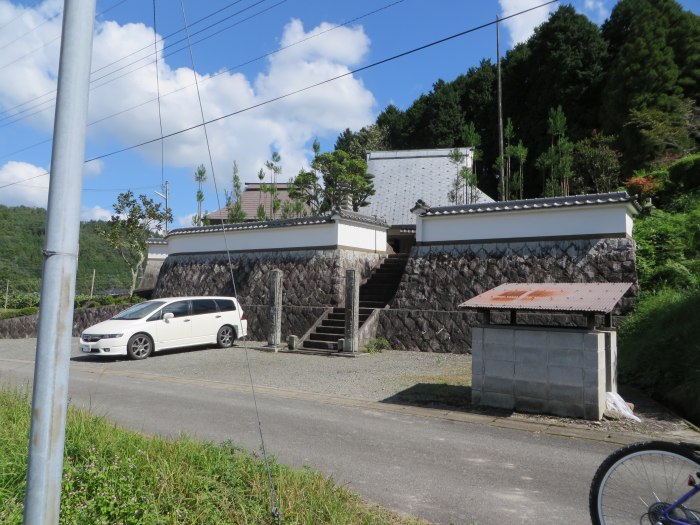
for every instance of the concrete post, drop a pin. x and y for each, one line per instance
(352, 311)
(274, 331)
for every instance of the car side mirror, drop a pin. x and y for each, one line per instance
(167, 316)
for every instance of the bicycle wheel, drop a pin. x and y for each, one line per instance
(636, 483)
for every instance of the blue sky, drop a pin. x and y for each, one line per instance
(255, 50)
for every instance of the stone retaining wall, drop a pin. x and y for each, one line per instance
(24, 327)
(424, 314)
(311, 281)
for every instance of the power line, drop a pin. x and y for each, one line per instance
(225, 70)
(317, 84)
(301, 90)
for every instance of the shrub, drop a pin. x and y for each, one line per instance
(686, 171)
(376, 346)
(18, 312)
(660, 349)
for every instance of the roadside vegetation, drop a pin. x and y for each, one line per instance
(112, 475)
(660, 342)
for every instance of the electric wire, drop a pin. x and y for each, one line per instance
(107, 65)
(273, 494)
(214, 75)
(301, 90)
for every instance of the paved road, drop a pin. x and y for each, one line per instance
(441, 466)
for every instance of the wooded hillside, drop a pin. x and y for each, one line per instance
(21, 244)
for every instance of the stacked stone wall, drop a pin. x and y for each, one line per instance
(24, 327)
(424, 314)
(312, 280)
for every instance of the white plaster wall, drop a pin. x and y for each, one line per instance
(338, 233)
(560, 222)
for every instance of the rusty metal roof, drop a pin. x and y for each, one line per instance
(567, 297)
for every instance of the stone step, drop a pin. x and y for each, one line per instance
(333, 338)
(330, 330)
(321, 345)
(333, 322)
(372, 304)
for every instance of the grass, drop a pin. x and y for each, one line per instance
(115, 476)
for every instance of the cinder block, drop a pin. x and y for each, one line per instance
(532, 389)
(593, 340)
(531, 372)
(477, 380)
(565, 357)
(501, 352)
(531, 338)
(565, 339)
(563, 375)
(530, 404)
(531, 355)
(565, 394)
(498, 384)
(594, 379)
(593, 357)
(476, 396)
(477, 351)
(494, 399)
(565, 409)
(593, 396)
(502, 336)
(477, 335)
(496, 368)
(593, 412)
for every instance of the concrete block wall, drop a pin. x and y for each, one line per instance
(546, 370)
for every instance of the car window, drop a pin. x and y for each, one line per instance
(226, 305)
(138, 311)
(178, 308)
(203, 306)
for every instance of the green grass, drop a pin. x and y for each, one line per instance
(112, 475)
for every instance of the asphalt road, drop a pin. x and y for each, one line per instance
(441, 466)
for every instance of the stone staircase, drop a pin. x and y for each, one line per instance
(377, 292)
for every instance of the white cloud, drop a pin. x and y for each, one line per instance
(33, 190)
(93, 168)
(521, 27)
(185, 221)
(596, 10)
(95, 213)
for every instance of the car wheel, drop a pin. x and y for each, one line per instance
(226, 336)
(140, 346)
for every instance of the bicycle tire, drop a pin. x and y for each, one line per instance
(634, 482)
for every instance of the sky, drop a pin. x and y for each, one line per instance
(242, 55)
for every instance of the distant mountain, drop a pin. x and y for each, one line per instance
(22, 233)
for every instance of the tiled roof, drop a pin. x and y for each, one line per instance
(282, 223)
(534, 204)
(251, 199)
(402, 177)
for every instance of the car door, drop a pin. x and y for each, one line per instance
(206, 320)
(176, 331)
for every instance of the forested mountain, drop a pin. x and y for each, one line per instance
(627, 91)
(22, 242)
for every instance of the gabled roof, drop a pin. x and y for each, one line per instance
(251, 199)
(402, 177)
(534, 204)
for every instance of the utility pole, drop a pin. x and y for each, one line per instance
(165, 195)
(500, 108)
(50, 389)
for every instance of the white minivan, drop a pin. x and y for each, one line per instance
(173, 322)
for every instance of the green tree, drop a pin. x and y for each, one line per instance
(519, 153)
(233, 200)
(596, 164)
(345, 180)
(199, 177)
(557, 161)
(273, 166)
(370, 138)
(129, 228)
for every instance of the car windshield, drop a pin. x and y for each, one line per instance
(138, 311)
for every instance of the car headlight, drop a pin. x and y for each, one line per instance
(111, 336)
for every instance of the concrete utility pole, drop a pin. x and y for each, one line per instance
(50, 395)
(500, 109)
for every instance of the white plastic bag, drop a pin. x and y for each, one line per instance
(615, 403)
